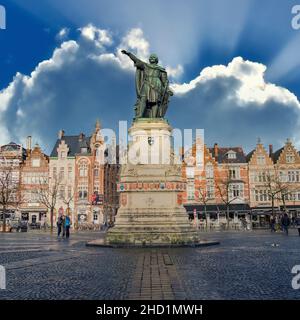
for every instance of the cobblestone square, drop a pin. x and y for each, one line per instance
(246, 265)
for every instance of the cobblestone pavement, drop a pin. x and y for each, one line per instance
(246, 265)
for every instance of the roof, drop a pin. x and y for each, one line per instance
(14, 147)
(222, 155)
(276, 154)
(74, 143)
(249, 155)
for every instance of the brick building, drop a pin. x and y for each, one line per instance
(34, 179)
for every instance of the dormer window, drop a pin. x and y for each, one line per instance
(63, 154)
(231, 155)
(84, 150)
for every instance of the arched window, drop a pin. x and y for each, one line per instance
(83, 169)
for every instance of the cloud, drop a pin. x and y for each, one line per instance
(63, 34)
(253, 89)
(235, 105)
(99, 37)
(89, 78)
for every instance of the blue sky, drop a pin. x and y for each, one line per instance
(79, 75)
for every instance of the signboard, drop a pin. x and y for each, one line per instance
(97, 199)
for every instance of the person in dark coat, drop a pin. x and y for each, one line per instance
(285, 222)
(272, 224)
(59, 224)
(63, 226)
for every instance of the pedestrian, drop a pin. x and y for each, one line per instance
(63, 225)
(67, 226)
(298, 224)
(272, 224)
(59, 225)
(285, 222)
(244, 223)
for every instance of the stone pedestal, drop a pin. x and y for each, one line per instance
(151, 186)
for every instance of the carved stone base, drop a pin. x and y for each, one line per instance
(151, 210)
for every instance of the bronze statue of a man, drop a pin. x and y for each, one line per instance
(152, 87)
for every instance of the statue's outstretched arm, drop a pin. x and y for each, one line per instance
(138, 63)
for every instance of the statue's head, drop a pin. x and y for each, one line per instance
(153, 59)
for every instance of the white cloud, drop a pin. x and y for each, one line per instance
(63, 34)
(176, 72)
(100, 37)
(253, 87)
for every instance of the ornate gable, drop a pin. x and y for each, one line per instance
(288, 154)
(260, 157)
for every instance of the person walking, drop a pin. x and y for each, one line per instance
(285, 222)
(297, 221)
(63, 226)
(272, 224)
(67, 226)
(59, 225)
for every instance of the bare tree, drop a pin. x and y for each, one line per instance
(224, 189)
(47, 194)
(276, 188)
(203, 198)
(67, 200)
(10, 189)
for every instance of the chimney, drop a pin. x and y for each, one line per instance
(28, 143)
(270, 150)
(61, 134)
(216, 150)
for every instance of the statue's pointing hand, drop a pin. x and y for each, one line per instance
(124, 52)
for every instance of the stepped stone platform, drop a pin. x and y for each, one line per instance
(102, 243)
(151, 187)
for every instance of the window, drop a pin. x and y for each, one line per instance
(69, 192)
(84, 150)
(63, 154)
(231, 155)
(234, 173)
(236, 191)
(261, 177)
(95, 217)
(209, 171)
(54, 172)
(61, 192)
(61, 173)
(83, 169)
(261, 196)
(210, 190)
(290, 158)
(190, 172)
(261, 160)
(96, 172)
(82, 192)
(36, 163)
(293, 176)
(191, 191)
(69, 172)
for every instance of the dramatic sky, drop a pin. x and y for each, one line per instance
(233, 65)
